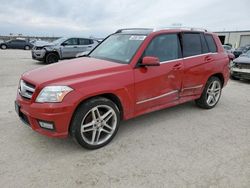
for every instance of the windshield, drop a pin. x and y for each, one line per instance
(119, 47)
(59, 41)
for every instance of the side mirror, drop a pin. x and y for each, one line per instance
(150, 61)
(65, 43)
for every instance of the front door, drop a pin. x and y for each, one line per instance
(69, 48)
(159, 85)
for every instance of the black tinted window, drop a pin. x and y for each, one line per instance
(211, 44)
(85, 41)
(191, 44)
(165, 47)
(204, 44)
(17, 41)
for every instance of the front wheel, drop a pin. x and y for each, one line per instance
(211, 94)
(51, 58)
(95, 123)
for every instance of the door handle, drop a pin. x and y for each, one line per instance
(89, 46)
(208, 59)
(177, 66)
(75, 47)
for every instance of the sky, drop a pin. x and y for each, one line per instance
(98, 18)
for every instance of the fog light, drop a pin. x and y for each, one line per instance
(46, 125)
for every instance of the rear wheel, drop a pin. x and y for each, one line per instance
(211, 93)
(51, 58)
(95, 123)
(3, 46)
(27, 47)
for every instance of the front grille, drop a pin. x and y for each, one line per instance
(26, 90)
(243, 65)
(38, 48)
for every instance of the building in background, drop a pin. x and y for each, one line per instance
(236, 38)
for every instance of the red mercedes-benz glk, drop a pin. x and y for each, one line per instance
(132, 72)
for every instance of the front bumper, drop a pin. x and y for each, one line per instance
(38, 54)
(240, 73)
(57, 113)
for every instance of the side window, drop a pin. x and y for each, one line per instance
(85, 41)
(165, 47)
(204, 44)
(211, 44)
(72, 41)
(191, 44)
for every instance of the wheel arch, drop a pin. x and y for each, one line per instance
(220, 76)
(111, 96)
(53, 52)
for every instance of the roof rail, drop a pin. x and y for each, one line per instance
(131, 29)
(188, 28)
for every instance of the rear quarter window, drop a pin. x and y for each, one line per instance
(211, 43)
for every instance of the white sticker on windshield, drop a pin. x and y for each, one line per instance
(137, 37)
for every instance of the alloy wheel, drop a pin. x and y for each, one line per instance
(213, 93)
(98, 125)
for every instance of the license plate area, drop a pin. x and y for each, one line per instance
(21, 115)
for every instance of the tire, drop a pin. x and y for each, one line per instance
(26, 47)
(51, 58)
(95, 123)
(3, 47)
(211, 94)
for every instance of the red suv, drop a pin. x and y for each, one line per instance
(132, 72)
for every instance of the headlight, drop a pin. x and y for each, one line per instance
(53, 94)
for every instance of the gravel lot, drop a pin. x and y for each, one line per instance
(183, 146)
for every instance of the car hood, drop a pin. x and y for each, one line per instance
(43, 44)
(69, 71)
(242, 59)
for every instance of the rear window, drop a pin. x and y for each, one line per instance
(211, 44)
(191, 44)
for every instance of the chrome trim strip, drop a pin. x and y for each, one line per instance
(196, 55)
(160, 96)
(169, 61)
(193, 87)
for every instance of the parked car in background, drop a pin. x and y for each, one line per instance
(16, 44)
(228, 48)
(62, 48)
(132, 72)
(240, 68)
(228, 44)
(241, 50)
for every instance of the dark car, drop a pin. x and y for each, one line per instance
(16, 44)
(240, 68)
(241, 50)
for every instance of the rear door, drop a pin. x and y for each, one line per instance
(85, 44)
(195, 58)
(159, 85)
(69, 48)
